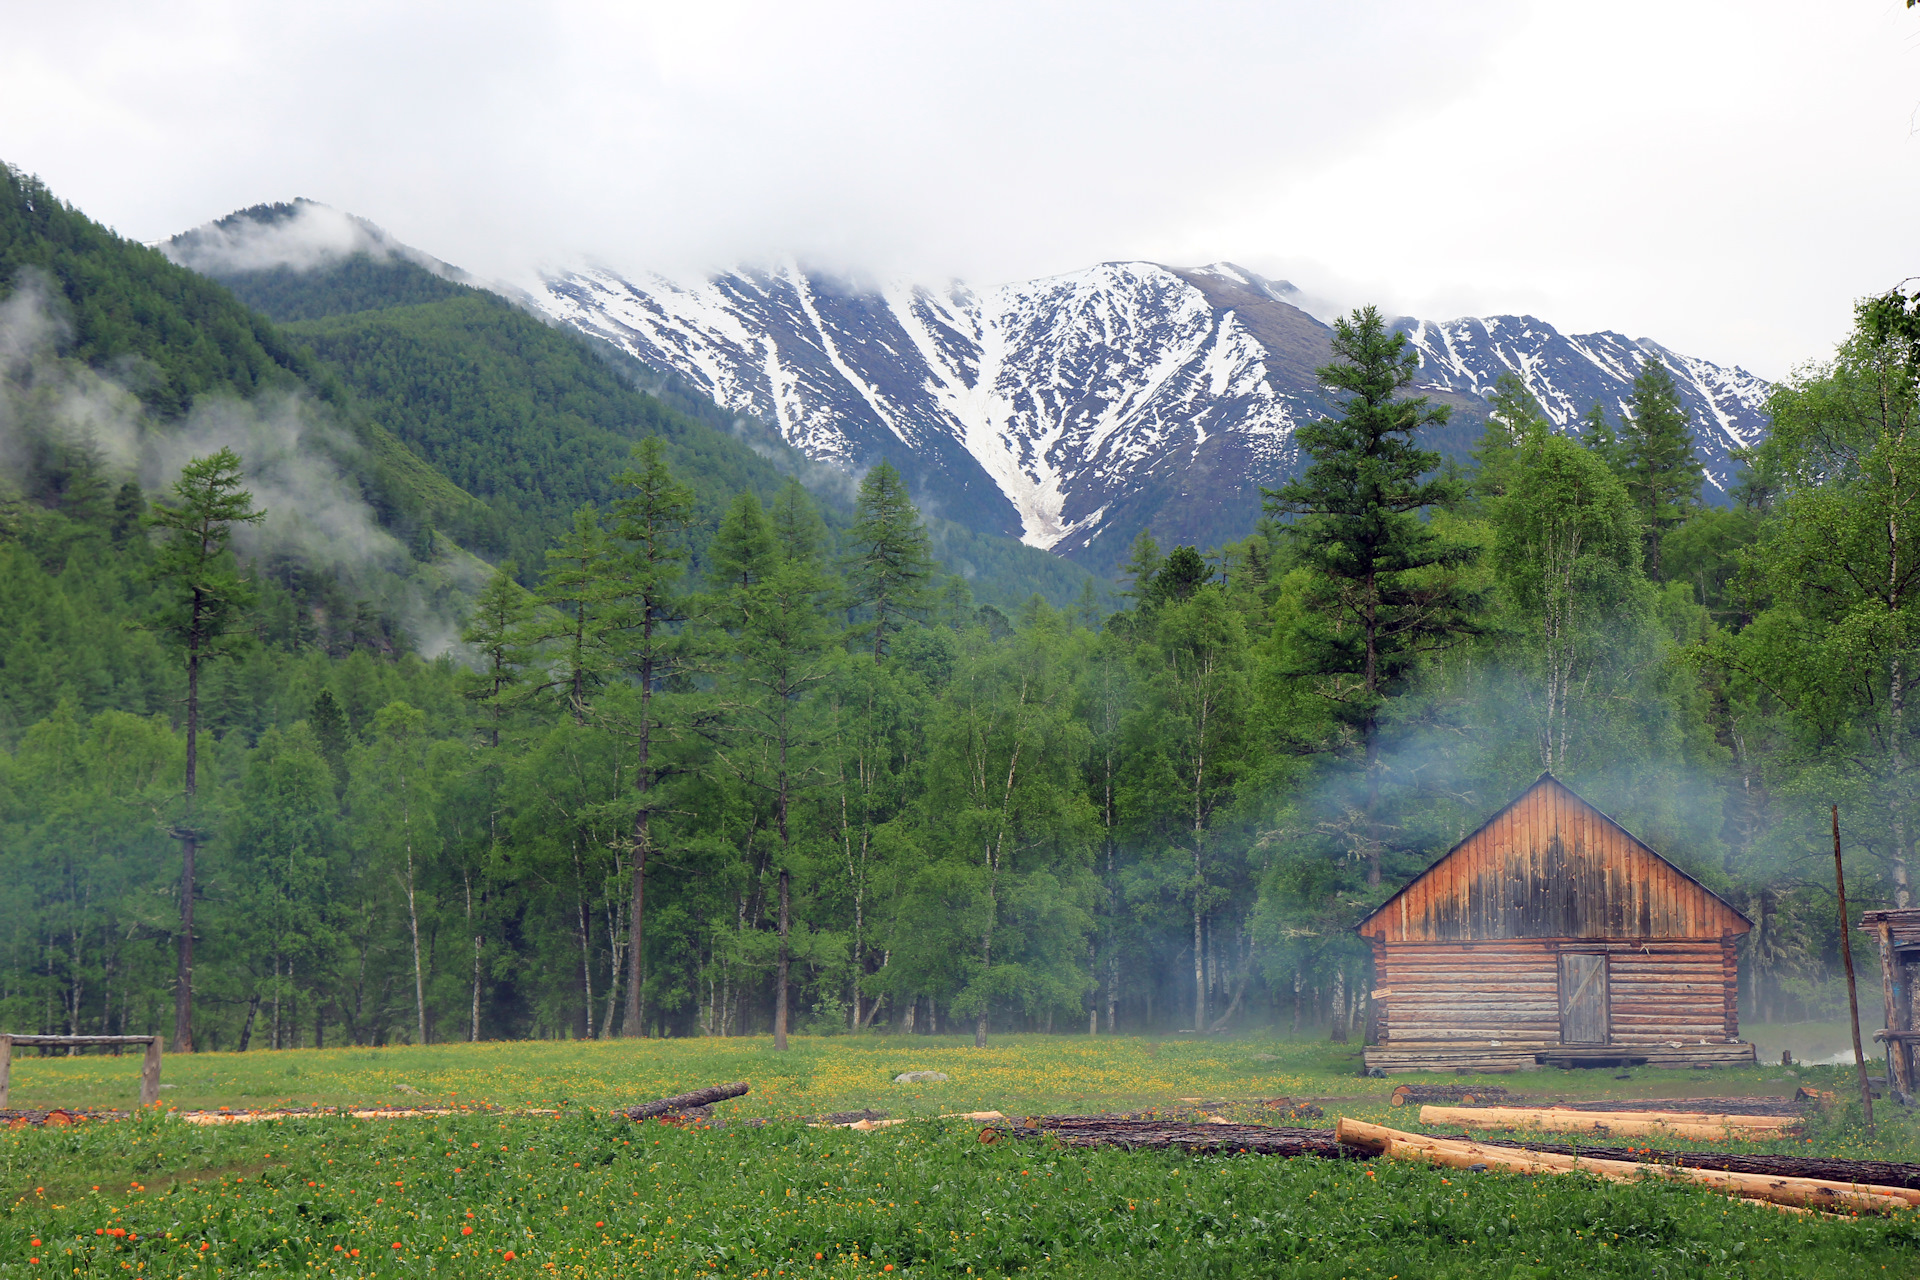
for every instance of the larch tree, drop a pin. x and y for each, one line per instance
(888, 562)
(497, 631)
(582, 587)
(650, 518)
(778, 650)
(1387, 587)
(205, 600)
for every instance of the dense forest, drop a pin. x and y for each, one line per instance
(720, 755)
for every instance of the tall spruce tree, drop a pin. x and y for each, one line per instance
(889, 563)
(1656, 458)
(1386, 589)
(651, 519)
(205, 602)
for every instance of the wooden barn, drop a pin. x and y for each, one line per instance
(1552, 936)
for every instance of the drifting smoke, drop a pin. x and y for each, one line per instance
(296, 463)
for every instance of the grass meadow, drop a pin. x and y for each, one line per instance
(582, 1193)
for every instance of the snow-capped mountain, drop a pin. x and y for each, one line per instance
(1569, 373)
(1073, 411)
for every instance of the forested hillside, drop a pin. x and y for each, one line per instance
(712, 757)
(535, 420)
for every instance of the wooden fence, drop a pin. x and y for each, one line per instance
(149, 1064)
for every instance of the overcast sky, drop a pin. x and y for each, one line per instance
(1725, 177)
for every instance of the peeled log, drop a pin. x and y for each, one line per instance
(1804, 1192)
(686, 1101)
(1696, 1125)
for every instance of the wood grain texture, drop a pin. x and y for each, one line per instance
(1550, 865)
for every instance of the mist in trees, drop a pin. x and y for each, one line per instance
(735, 773)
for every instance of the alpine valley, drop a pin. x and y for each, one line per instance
(1075, 410)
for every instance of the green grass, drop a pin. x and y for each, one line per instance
(1016, 1074)
(925, 1198)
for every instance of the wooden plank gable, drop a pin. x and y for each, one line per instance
(1550, 865)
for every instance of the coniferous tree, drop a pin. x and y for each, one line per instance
(651, 520)
(496, 630)
(582, 587)
(1142, 566)
(777, 653)
(1657, 459)
(1387, 581)
(1601, 439)
(889, 562)
(205, 603)
(1515, 417)
(330, 731)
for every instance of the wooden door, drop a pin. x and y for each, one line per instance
(1583, 997)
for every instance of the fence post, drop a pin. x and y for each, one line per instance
(150, 1074)
(6, 1067)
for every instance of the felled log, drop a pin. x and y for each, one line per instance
(1148, 1135)
(1413, 1094)
(686, 1101)
(1695, 1126)
(1811, 1193)
(1879, 1173)
(1708, 1106)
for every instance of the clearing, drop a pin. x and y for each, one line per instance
(584, 1193)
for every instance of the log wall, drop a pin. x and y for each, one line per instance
(1471, 994)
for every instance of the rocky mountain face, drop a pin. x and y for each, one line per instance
(1074, 410)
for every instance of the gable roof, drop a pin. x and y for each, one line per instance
(1550, 865)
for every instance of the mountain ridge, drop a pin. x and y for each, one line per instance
(1072, 410)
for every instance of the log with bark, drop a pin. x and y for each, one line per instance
(680, 1102)
(1148, 1135)
(1414, 1094)
(1697, 1126)
(1827, 1195)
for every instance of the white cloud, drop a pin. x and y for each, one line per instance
(1724, 178)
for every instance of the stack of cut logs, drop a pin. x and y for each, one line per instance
(1798, 1195)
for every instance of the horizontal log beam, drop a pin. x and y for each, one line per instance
(81, 1040)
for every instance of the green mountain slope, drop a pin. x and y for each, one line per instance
(534, 421)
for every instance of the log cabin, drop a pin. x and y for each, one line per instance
(1553, 936)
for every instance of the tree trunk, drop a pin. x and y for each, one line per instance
(780, 969)
(1199, 957)
(613, 968)
(189, 846)
(473, 1018)
(586, 963)
(634, 1023)
(246, 1028)
(413, 914)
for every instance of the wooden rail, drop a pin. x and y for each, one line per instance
(149, 1064)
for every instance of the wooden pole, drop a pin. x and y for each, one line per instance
(1898, 1055)
(1846, 954)
(6, 1067)
(150, 1074)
